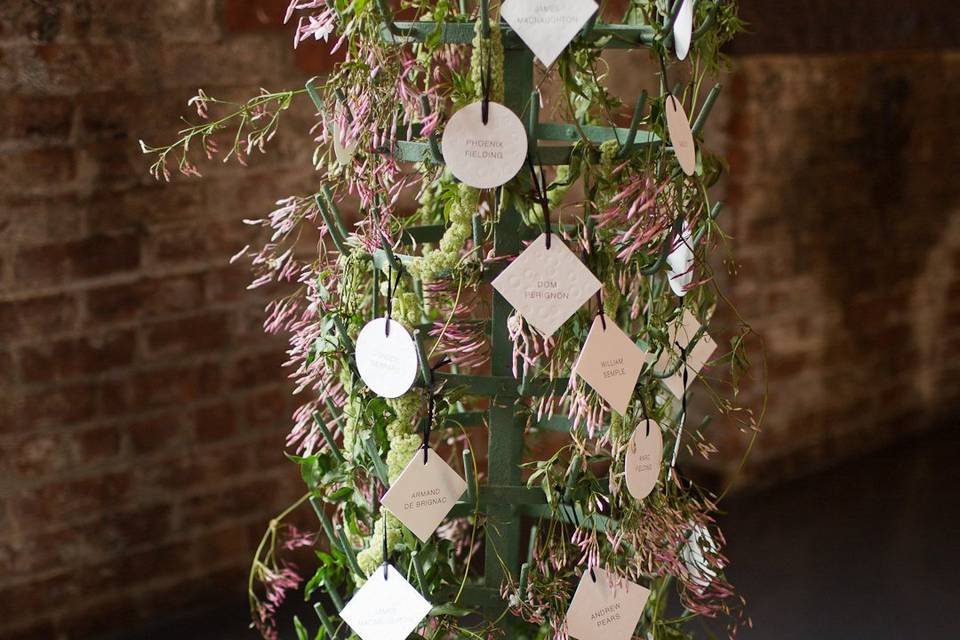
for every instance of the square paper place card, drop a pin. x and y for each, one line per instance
(547, 26)
(386, 607)
(610, 362)
(697, 356)
(605, 607)
(423, 494)
(546, 286)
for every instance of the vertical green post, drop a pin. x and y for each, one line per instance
(506, 428)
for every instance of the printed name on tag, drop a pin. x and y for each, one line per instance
(386, 363)
(386, 607)
(423, 494)
(546, 286)
(605, 607)
(484, 155)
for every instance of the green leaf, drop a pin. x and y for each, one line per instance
(450, 609)
(301, 630)
(340, 494)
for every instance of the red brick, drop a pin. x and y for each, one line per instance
(97, 444)
(257, 369)
(63, 501)
(37, 168)
(88, 258)
(86, 356)
(198, 468)
(149, 434)
(176, 385)
(193, 334)
(213, 423)
(40, 454)
(254, 15)
(38, 317)
(268, 407)
(34, 220)
(48, 408)
(36, 117)
(145, 297)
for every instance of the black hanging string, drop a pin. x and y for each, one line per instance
(386, 551)
(485, 82)
(646, 414)
(540, 193)
(683, 409)
(391, 289)
(683, 400)
(431, 403)
(603, 318)
(663, 75)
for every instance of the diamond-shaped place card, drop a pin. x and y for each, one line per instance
(610, 362)
(386, 607)
(547, 26)
(423, 494)
(546, 286)
(605, 607)
(680, 337)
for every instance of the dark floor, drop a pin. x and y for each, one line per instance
(869, 549)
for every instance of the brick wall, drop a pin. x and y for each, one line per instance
(142, 412)
(841, 130)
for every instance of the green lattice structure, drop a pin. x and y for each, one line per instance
(503, 498)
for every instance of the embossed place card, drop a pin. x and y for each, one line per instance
(484, 155)
(423, 494)
(386, 363)
(610, 362)
(605, 607)
(547, 26)
(680, 260)
(546, 286)
(694, 555)
(386, 607)
(681, 137)
(683, 29)
(644, 455)
(697, 355)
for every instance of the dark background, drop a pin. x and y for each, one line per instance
(142, 411)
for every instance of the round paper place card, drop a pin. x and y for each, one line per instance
(680, 135)
(644, 453)
(683, 29)
(387, 363)
(484, 155)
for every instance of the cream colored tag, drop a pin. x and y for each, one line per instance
(697, 355)
(680, 274)
(610, 362)
(484, 155)
(644, 456)
(680, 135)
(547, 26)
(387, 364)
(343, 153)
(386, 607)
(423, 494)
(546, 286)
(683, 29)
(607, 608)
(699, 543)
